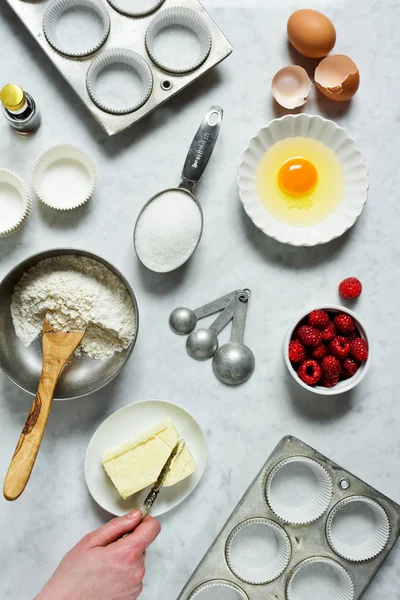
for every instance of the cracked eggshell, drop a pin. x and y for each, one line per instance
(291, 86)
(337, 77)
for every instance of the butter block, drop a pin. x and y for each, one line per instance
(137, 463)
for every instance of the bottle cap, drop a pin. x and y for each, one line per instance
(12, 97)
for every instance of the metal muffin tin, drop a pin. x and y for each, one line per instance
(307, 541)
(126, 32)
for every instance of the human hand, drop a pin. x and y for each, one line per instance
(104, 565)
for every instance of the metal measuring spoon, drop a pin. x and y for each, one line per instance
(196, 161)
(202, 344)
(234, 362)
(183, 320)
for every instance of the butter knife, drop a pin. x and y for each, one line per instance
(155, 490)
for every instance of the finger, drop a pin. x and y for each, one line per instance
(142, 537)
(113, 530)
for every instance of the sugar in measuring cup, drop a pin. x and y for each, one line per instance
(169, 226)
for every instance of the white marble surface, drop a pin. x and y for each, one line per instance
(360, 430)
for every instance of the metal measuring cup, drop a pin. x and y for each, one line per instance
(183, 320)
(234, 363)
(196, 161)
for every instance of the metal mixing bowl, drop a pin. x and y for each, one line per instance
(82, 375)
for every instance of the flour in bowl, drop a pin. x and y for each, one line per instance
(75, 293)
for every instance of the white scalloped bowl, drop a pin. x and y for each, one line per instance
(354, 169)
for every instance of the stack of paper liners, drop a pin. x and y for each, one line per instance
(137, 463)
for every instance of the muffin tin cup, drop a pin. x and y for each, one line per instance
(321, 567)
(186, 17)
(369, 548)
(153, 5)
(11, 179)
(63, 153)
(244, 550)
(120, 56)
(310, 473)
(218, 589)
(56, 8)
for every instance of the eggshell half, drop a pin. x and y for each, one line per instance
(337, 77)
(311, 33)
(291, 86)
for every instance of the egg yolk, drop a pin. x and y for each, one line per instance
(297, 177)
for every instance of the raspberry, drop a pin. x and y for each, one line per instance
(310, 372)
(331, 367)
(318, 319)
(297, 352)
(329, 332)
(345, 324)
(320, 352)
(349, 367)
(310, 336)
(350, 288)
(359, 349)
(331, 382)
(339, 347)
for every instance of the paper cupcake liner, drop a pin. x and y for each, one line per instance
(318, 503)
(118, 56)
(323, 566)
(186, 17)
(63, 152)
(243, 557)
(52, 14)
(218, 589)
(12, 179)
(371, 547)
(151, 7)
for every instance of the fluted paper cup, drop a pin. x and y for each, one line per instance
(258, 551)
(320, 577)
(218, 589)
(64, 177)
(136, 9)
(299, 490)
(15, 202)
(185, 17)
(358, 528)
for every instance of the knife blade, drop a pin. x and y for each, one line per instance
(155, 490)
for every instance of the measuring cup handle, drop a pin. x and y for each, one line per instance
(201, 148)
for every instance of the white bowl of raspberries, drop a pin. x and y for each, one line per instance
(327, 350)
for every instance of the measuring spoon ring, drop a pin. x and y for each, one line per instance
(202, 344)
(234, 362)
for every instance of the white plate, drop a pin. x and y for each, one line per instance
(354, 169)
(126, 423)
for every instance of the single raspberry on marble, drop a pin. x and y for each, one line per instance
(310, 372)
(331, 367)
(350, 288)
(359, 349)
(339, 347)
(345, 324)
(310, 336)
(318, 319)
(297, 352)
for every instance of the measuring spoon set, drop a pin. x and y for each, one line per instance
(233, 363)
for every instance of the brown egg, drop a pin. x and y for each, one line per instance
(337, 77)
(311, 33)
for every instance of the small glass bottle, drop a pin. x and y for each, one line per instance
(20, 109)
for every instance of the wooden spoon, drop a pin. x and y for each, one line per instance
(57, 349)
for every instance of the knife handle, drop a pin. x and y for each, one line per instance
(149, 501)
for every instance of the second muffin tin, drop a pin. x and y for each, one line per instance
(262, 556)
(127, 36)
